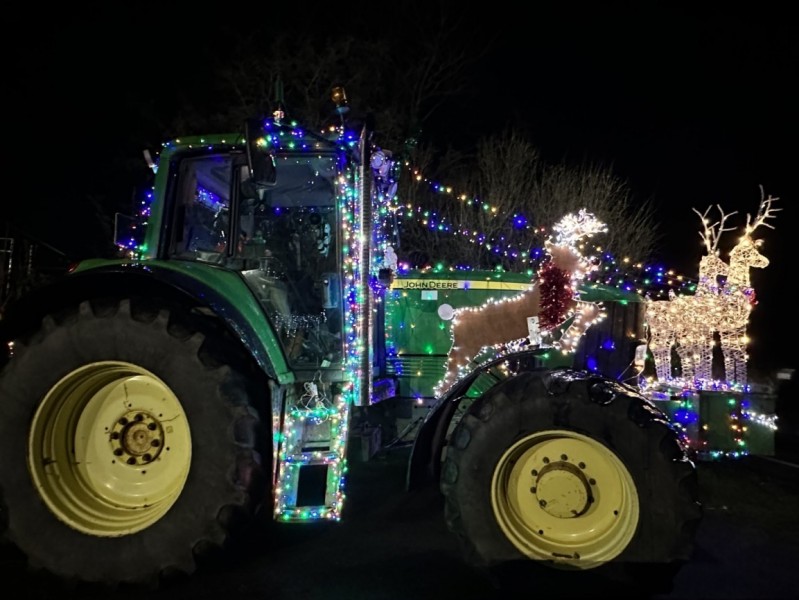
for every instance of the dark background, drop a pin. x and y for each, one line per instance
(693, 105)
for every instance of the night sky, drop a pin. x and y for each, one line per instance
(694, 106)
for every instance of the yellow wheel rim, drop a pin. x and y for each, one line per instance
(109, 449)
(563, 497)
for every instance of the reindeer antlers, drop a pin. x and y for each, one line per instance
(713, 232)
(764, 212)
(572, 227)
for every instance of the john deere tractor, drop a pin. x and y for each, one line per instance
(155, 405)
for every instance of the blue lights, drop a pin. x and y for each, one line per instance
(686, 416)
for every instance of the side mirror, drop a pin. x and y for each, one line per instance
(260, 163)
(256, 180)
(262, 169)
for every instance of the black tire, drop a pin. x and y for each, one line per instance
(507, 455)
(184, 426)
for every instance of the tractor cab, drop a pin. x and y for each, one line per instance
(270, 207)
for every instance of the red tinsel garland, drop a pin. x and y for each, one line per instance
(556, 294)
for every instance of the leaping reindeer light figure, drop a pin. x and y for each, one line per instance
(504, 321)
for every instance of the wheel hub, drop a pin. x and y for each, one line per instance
(137, 438)
(562, 490)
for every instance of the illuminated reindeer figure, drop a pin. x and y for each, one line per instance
(503, 322)
(692, 321)
(696, 341)
(737, 297)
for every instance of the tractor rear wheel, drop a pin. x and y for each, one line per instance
(569, 471)
(129, 446)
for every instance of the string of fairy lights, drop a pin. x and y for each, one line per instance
(624, 273)
(312, 408)
(725, 437)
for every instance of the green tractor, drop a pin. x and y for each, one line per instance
(155, 406)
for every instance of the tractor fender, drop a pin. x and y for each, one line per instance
(424, 464)
(125, 279)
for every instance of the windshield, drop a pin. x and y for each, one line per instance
(286, 244)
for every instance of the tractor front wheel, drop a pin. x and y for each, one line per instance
(577, 473)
